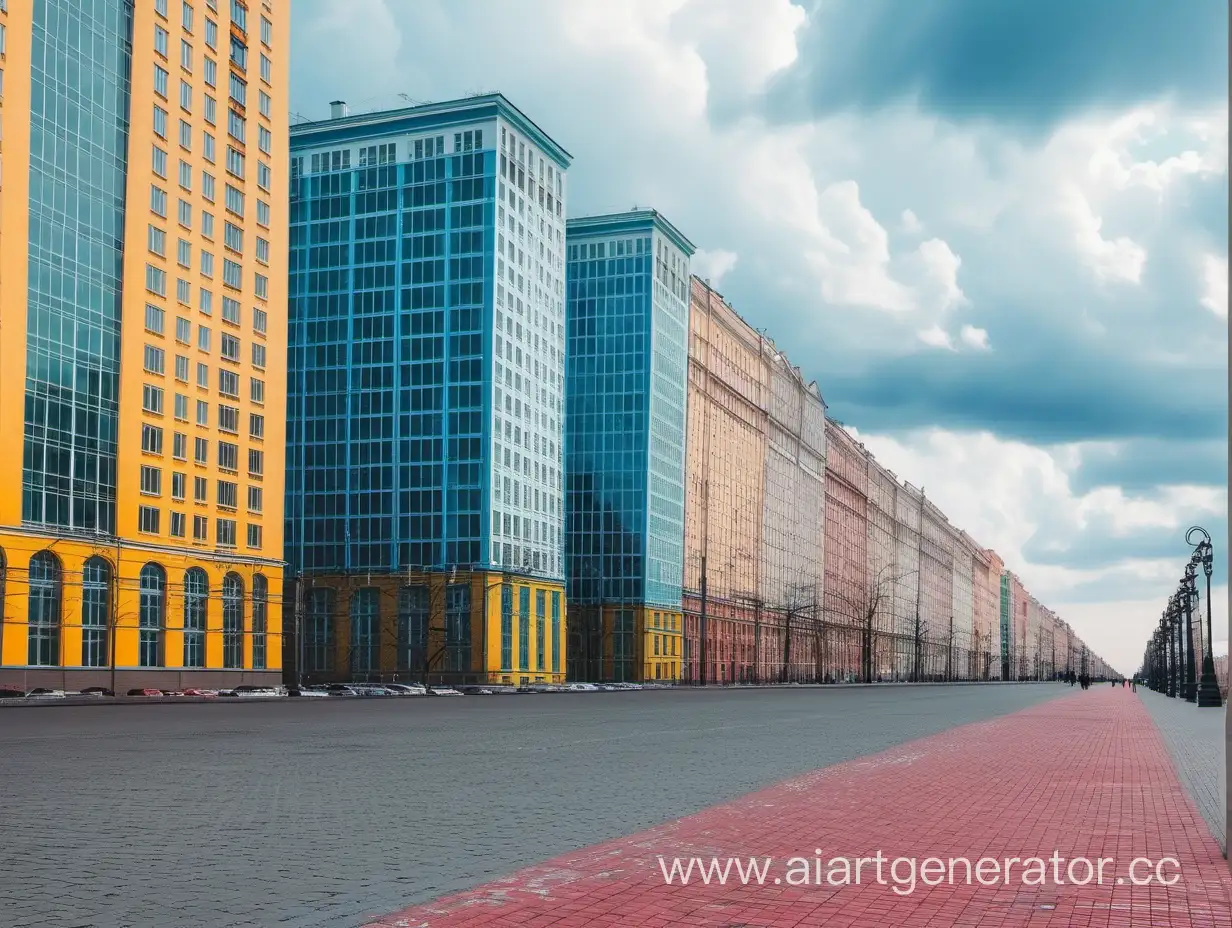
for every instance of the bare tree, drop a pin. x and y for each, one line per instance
(799, 610)
(858, 606)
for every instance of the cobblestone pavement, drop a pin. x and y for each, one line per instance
(323, 813)
(1087, 776)
(1195, 739)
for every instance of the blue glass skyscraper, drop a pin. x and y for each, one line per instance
(424, 488)
(627, 364)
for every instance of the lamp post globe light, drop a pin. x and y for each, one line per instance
(1204, 556)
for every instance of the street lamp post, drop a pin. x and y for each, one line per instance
(1165, 631)
(1204, 554)
(1184, 600)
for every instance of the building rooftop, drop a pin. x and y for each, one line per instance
(348, 128)
(630, 220)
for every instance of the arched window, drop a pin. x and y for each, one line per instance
(196, 598)
(153, 613)
(319, 646)
(365, 610)
(95, 611)
(260, 607)
(43, 610)
(232, 621)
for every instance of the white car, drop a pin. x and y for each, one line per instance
(307, 691)
(406, 689)
(581, 688)
(44, 693)
(443, 691)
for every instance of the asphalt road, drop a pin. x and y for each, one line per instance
(321, 813)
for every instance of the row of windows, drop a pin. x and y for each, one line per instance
(149, 522)
(45, 621)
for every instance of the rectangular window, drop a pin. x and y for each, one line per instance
(228, 494)
(239, 15)
(186, 19)
(265, 139)
(256, 425)
(183, 291)
(181, 407)
(151, 480)
(261, 286)
(186, 175)
(235, 125)
(157, 241)
(235, 162)
(228, 456)
(186, 55)
(262, 250)
(256, 391)
(186, 96)
(177, 524)
(254, 499)
(229, 419)
(225, 532)
(160, 38)
(230, 310)
(233, 237)
(160, 7)
(259, 318)
(152, 399)
(179, 484)
(181, 368)
(232, 274)
(160, 162)
(147, 519)
(185, 135)
(258, 356)
(239, 89)
(267, 70)
(206, 305)
(154, 319)
(256, 462)
(183, 253)
(203, 337)
(203, 380)
(263, 214)
(203, 412)
(254, 536)
(153, 359)
(201, 455)
(156, 280)
(235, 200)
(207, 191)
(207, 264)
(184, 214)
(211, 33)
(160, 81)
(229, 384)
(267, 32)
(229, 347)
(264, 103)
(158, 200)
(183, 330)
(200, 528)
(264, 176)
(211, 110)
(151, 439)
(160, 121)
(179, 446)
(211, 72)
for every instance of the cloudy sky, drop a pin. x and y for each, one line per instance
(995, 233)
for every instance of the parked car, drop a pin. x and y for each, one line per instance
(407, 689)
(6, 693)
(581, 688)
(443, 691)
(41, 692)
(194, 691)
(309, 691)
(249, 689)
(339, 689)
(147, 691)
(96, 691)
(371, 689)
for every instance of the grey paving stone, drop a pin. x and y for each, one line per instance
(1195, 739)
(323, 813)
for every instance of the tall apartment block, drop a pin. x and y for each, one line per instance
(425, 491)
(142, 361)
(627, 362)
(755, 506)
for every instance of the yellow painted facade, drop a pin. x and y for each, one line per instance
(201, 430)
(636, 644)
(490, 657)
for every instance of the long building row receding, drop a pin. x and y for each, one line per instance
(514, 447)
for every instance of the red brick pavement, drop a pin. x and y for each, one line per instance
(1086, 775)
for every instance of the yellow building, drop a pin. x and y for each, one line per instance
(459, 627)
(142, 352)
